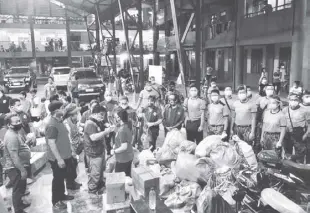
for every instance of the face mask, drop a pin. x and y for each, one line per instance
(108, 98)
(17, 127)
(149, 89)
(214, 99)
(269, 92)
(242, 96)
(153, 82)
(273, 106)
(264, 82)
(293, 104)
(228, 93)
(19, 108)
(193, 94)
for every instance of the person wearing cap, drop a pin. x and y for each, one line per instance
(59, 153)
(145, 94)
(95, 131)
(152, 116)
(172, 90)
(4, 102)
(244, 117)
(26, 104)
(194, 115)
(16, 157)
(297, 119)
(274, 125)
(70, 117)
(217, 115)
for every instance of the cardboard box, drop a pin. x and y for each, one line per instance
(123, 207)
(144, 179)
(115, 187)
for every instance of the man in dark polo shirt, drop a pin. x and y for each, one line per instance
(59, 154)
(94, 146)
(173, 115)
(4, 102)
(17, 156)
(152, 118)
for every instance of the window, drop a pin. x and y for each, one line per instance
(259, 7)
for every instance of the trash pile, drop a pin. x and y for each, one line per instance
(202, 178)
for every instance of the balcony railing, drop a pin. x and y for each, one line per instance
(212, 30)
(39, 20)
(261, 11)
(42, 46)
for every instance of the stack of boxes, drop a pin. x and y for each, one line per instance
(144, 179)
(115, 199)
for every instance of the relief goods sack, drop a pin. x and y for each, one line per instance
(225, 155)
(205, 147)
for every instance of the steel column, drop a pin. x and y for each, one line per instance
(140, 30)
(187, 28)
(97, 29)
(114, 43)
(155, 34)
(198, 42)
(167, 34)
(68, 38)
(177, 41)
(33, 44)
(127, 47)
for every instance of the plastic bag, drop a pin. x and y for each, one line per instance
(170, 148)
(205, 147)
(146, 138)
(184, 197)
(145, 156)
(183, 131)
(204, 202)
(225, 155)
(188, 147)
(188, 167)
(245, 150)
(268, 156)
(166, 183)
(136, 154)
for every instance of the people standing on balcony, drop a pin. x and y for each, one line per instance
(60, 44)
(194, 115)
(267, 8)
(51, 45)
(213, 26)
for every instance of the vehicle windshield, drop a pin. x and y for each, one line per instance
(62, 71)
(85, 74)
(19, 70)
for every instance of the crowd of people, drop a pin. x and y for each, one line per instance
(113, 128)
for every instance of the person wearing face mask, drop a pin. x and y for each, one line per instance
(297, 88)
(16, 157)
(261, 86)
(213, 86)
(172, 90)
(123, 149)
(194, 115)
(59, 154)
(110, 105)
(95, 131)
(145, 94)
(244, 117)
(50, 89)
(306, 104)
(70, 117)
(274, 126)
(4, 102)
(217, 115)
(157, 88)
(174, 115)
(132, 115)
(297, 119)
(88, 112)
(152, 117)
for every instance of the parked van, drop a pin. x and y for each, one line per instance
(61, 76)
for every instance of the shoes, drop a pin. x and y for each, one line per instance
(74, 186)
(67, 197)
(24, 206)
(59, 206)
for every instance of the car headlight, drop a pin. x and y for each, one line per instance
(98, 85)
(83, 86)
(27, 79)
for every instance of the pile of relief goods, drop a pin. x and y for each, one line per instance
(192, 176)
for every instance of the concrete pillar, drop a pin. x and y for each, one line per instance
(270, 56)
(298, 40)
(239, 66)
(68, 39)
(306, 49)
(33, 41)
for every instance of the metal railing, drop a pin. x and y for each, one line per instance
(261, 11)
(39, 20)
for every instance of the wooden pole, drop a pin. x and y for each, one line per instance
(177, 41)
(125, 29)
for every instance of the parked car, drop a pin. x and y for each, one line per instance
(89, 83)
(19, 78)
(60, 76)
